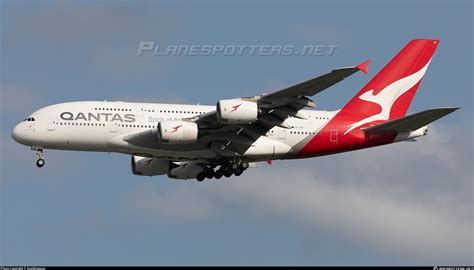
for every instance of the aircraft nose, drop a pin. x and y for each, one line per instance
(18, 133)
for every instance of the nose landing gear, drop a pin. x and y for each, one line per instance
(39, 153)
(40, 163)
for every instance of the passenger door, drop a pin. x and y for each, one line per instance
(51, 125)
(333, 135)
(281, 133)
(112, 127)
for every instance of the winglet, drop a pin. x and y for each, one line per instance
(364, 67)
(269, 162)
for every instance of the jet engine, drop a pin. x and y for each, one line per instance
(177, 132)
(184, 170)
(149, 166)
(146, 166)
(236, 111)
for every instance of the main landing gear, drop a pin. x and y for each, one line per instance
(39, 153)
(227, 168)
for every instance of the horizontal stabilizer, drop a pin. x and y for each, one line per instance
(410, 122)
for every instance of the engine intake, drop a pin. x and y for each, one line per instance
(236, 111)
(149, 166)
(184, 170)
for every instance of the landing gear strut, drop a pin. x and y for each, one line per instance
(39, 153)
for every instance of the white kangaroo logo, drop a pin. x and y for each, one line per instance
(387, 96)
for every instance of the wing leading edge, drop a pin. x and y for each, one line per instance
(313, 86)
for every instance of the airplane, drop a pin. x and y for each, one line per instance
(195, 141)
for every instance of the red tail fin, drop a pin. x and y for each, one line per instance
(389, 94)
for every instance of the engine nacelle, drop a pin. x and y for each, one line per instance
(236, 111)
(177, 132)
(146, 166)
(184, 170)
(149, 166)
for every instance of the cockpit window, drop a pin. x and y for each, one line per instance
(29, 119)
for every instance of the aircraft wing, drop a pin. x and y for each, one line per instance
(313, 86)
(274, 108)
(292, 99)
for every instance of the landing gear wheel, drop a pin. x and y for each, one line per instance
(234, 166)
(209, 173)
(213, 163)
(200, 177)
(244, 165)
(227, 173)
(218, 174)
(238, 172)
(40, 163)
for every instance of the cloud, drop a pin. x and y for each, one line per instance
(411, 202)
(182, 205)
(383, 222)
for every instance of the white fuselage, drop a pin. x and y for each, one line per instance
(102, 126)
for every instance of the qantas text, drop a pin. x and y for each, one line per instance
(112, 117)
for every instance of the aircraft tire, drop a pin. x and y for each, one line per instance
(40, 163)
(201, 176)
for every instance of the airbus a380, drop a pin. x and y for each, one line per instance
(193, 141)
